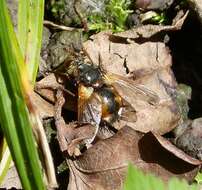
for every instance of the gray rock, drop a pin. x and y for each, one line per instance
(56, 50)
(191, 139)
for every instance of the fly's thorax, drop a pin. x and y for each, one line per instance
(90, 75)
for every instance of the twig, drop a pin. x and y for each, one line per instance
(61, 27)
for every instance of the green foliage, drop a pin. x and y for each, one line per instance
(154, 17)
(113, 18)
(119, 11)
(56, 7)
(198, 178)
(97, 23)
(137, 180)
(160, 18)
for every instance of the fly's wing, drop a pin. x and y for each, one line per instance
(126, 87)
(128, 113)
(89, 106)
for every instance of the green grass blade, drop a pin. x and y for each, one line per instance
(30, 26)
(5, 160)
(14, 118)
(30, 21)
(23, 24)
(8, 127)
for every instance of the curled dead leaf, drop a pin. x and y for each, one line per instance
(176, 151)
(44, 108)
(147, 31)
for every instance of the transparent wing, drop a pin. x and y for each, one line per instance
(89, 106)
(128, 113)
(126, 87)
(89, 109)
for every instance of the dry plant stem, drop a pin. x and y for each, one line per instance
(61, 27)
(54, 87)
(45, 86)
(59, 121)
(42, 141)
(50, 171)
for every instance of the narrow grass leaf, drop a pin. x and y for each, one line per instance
(14, 118)
(5, 160)
(23, 24)
(9, 130)
(30, 27)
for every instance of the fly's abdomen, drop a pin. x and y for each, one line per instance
(111, 104)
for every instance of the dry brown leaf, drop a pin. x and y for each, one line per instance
(104, 165)
(11, 180)
(147, 31)
(44, 108)
(47, 86)
(76, 136)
